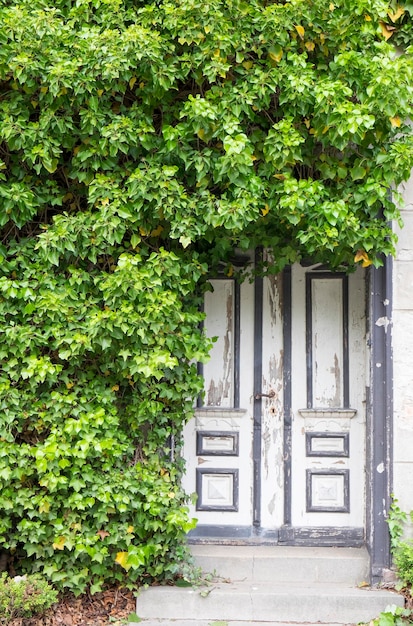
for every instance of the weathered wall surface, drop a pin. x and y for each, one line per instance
(403, 356)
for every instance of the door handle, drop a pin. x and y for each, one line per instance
(258, 396)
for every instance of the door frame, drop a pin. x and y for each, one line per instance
(379, 432)
(380, 419)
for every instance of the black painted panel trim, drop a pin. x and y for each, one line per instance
(235, 491)
(287, 391)
(309, 277)
(332, 536)
(292, 536)
(309, 340)
(311, 507)
(201, 434)
(256, 444)
(237, 340)
(346, 355)
(327, 435)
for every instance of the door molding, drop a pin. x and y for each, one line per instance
(380, 419)
(287, 397)
(340, 536)
(257, 402)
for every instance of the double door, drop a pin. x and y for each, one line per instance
(276, 448)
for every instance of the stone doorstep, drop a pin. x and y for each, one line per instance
(160, 622)
(262, 602)
(284, 563)
(269, 586)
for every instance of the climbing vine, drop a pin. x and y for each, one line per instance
(141, 143)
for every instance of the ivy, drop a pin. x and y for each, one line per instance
(141, 144)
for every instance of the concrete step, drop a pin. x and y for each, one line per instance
(284, 563)
(248, 601)
(191, 622)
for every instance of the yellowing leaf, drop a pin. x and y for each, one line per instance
(207, 29)
(130, 529)
(44, 89)
(122, 559)
(361, 255)
(185, 241)
(44, 507)
(171, 494)
(395, 121)
(59, 544)
(332, 6)
(275, 53)
(141, 85)
(115, 388)
(230, 271)
(143, 231)
(157, 231)
(247, 64)
(100, 92)
(309, 45)
(367, 18)
(265, 210)
(395, 16)
(201, 133)
(34, 103)
(132, 82)
(387, 31)
(300, 30)
(279, 176)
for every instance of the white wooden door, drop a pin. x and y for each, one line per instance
(328, 398)
(277, 447)
(218, 441)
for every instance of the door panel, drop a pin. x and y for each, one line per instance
(220, 323)
(328, 399)
(218, 441)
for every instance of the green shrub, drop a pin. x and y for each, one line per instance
(89, 483)
(393, 616)
(24, 596)
(403, 560)
(402, 549)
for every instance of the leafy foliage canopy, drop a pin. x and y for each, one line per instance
(141, 143)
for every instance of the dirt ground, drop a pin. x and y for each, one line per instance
(109, 608)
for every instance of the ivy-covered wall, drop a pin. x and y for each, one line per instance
(140, 144)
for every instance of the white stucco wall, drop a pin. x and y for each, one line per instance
(403, 356)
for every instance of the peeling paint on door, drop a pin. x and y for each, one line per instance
(326, 490)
